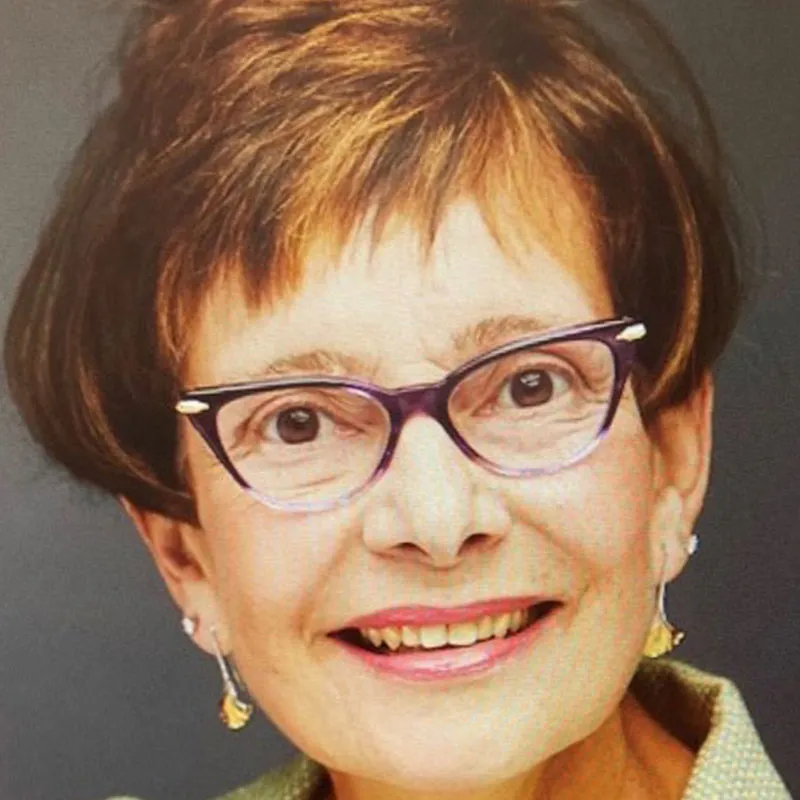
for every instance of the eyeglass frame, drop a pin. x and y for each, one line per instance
(202, 405)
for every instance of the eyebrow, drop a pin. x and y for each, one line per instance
(495, 331)
(469, 342)
(316, 362)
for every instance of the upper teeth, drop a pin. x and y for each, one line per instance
(458, 634)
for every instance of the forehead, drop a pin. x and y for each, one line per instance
(386, 308)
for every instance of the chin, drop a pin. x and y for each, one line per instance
(451, 763)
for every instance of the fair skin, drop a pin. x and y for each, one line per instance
(555, 722)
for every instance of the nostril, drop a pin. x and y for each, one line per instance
(477, 540)
(410, 549)
(442, 554)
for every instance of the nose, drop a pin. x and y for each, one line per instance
(430, 511)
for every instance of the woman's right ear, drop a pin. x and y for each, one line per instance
(180, 552)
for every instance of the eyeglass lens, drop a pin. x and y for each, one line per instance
(535, 409)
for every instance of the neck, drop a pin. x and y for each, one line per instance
(630, 757)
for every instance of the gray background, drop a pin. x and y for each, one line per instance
(99, 692)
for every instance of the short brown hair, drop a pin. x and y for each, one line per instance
(239, 126)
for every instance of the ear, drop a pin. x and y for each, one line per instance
(183, 559)
(682, 438)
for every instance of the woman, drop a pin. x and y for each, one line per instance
(391, 326)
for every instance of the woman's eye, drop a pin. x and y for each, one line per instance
(532, 387)
(297, 425)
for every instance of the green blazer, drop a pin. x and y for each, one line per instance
(704, 711)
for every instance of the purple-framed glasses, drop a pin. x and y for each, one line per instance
(531, 407)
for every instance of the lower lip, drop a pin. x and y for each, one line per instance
(455, 662)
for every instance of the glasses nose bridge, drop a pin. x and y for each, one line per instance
(420, 399)
(423, 399)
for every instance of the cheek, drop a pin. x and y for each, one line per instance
(596, 517)
(266, 566)
(613, 547)
(271, 574)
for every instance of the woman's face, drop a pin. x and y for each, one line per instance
(436, 530)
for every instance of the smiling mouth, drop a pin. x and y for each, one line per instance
(411, 638)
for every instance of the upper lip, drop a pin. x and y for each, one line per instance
(419, 615)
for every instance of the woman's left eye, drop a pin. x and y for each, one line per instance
(530, 388)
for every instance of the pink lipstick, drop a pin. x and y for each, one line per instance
(442, 660)
(430, 615)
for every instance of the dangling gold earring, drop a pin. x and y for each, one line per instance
(234, 712)
(664, 636)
